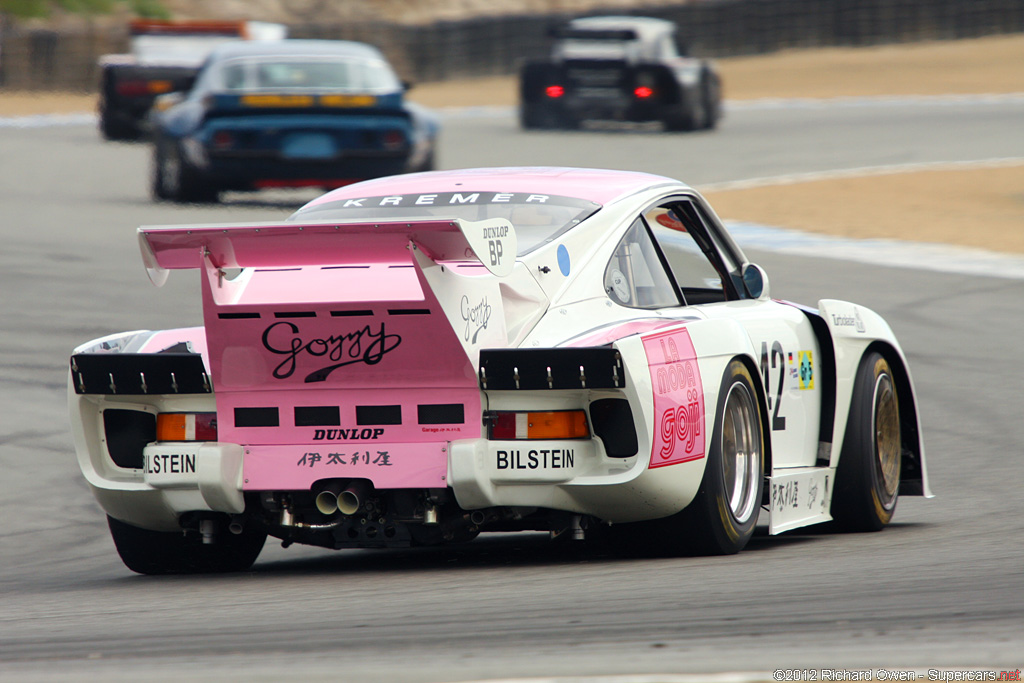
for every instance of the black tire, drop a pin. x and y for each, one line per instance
(528, 117)
(721, 518)
(174, 179)
(160, 185)
(868, 476)
(689, 115)
(428, 164)
(114, 130)
(711, 88)
(158, 552)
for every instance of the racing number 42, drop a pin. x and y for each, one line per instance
(778, 359)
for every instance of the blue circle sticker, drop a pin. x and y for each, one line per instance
(563, 260)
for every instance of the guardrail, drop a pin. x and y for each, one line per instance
(495, 45)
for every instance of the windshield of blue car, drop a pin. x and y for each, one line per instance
(537, 219)
(307, 73)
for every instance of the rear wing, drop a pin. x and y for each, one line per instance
(281, 245)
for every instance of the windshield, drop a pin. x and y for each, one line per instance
(308, 73)
(537, 218)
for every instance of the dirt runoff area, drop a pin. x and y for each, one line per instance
(980, 207)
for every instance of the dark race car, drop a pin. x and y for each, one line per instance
(619, 68)
(295, 113)
(165, 57)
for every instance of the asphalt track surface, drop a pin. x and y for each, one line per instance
(943, 587)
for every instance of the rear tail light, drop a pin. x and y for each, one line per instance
(561, 424)
(643, 92)
(223, 139)
(186, 427)
(393, 139)
(554, 91)
(136, 88)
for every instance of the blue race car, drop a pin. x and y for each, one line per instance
(292, 113)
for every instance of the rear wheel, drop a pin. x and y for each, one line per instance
(690, 115)
(711, 88)
(159, 552)
(724, 513)
(428, 163)
(868, 476)
(112, 129)
(174, 179)
(721, 518)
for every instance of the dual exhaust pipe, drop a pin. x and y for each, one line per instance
(339, 497)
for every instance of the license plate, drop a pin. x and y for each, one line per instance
(308, 146)
(599, 93)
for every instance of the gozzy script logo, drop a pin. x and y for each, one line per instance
(477, 317)
(361, 346)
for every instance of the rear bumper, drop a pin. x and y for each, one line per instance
(624, 108)
(178, 478)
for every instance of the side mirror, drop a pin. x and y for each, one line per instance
(755, 281)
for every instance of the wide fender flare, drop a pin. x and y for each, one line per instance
(715, 343)
(855, 331)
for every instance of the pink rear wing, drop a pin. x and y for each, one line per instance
(332, 332)
(281, 245)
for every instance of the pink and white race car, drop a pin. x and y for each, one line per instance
(416, 359)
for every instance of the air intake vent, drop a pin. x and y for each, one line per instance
(127, 432)
(317, 416)
(442, 414)
(256, 417)
(378, 415)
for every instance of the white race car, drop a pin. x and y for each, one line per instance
(416, 359)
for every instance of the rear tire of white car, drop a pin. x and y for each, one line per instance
(721, 518)
(159, 552)
(868, 476)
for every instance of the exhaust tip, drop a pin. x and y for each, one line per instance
(351, 499)
(348, 502)
(327, 502)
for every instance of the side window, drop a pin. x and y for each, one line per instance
(700, 278)
(635, 276)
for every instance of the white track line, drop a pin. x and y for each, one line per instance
(983, 99)
(860, 171)
(879, 252)
(48, 120)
